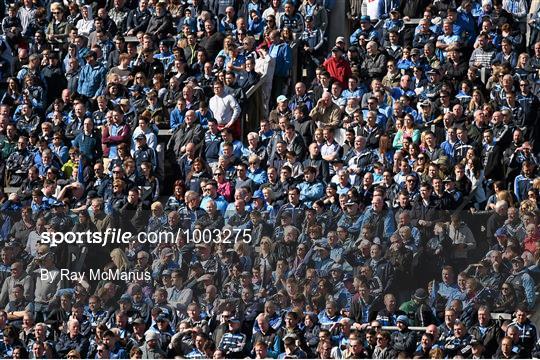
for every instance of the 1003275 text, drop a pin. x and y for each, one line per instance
(217, 236)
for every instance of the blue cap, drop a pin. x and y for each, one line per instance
(57, 203)
(258, 195)
(501, 232)
(403, 318)
(161, 317)
(365, 18)
(137, 88)
(125, 298)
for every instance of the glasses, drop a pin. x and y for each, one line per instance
(218, 174)
(138, 77)
(56, 12)
(410, 180)
(116, 171)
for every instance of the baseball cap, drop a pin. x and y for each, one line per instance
(281, 98)
(475, 342)
(290, 336)
(258, 195)
(365, 18)
(336, 267)
(420, 294)
(403, 319)
(125, 298)
(518, 259)
(90, 53)
(139, 321)
(322, 247)
(166, 272)
(136, 88)
(501, 232)
(448, 179)
(161, 317)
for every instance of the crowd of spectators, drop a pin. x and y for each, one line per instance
(385, 206)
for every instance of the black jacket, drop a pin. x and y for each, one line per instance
(490, 339)
(138, 20)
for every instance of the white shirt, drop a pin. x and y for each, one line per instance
(225, 108)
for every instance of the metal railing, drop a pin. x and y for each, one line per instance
(495, 316)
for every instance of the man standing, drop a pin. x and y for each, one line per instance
(92, 77)
(225, 109)
(280, 51)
